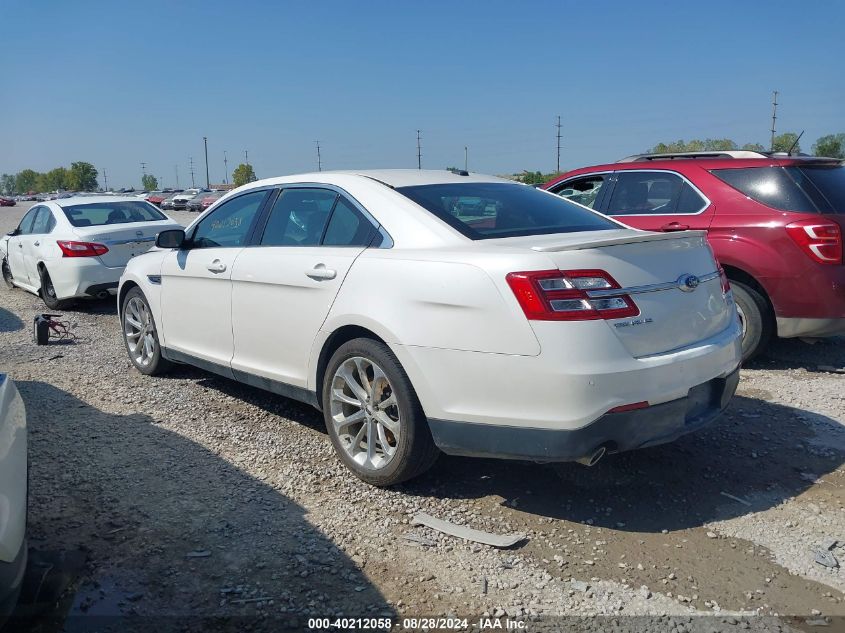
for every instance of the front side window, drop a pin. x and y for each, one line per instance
(44, 221)
(653, 193)
(487, 210)
(25, 227)
(230, 223)
(299, 217)
(583, 190)
(117, 212)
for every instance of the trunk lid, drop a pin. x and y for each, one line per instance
(655, 267)
(125, 240)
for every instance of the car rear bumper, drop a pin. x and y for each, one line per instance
(616, 432)
(11, 581)
(83, 276)
(790, 327)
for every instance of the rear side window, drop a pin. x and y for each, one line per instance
(348, 227)
(299, 217)
(826, 182)
(653, 193)
(44, 221)
(771, 186)
(117, 212)
(487, 210)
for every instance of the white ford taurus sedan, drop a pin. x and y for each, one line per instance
(427, 311)
(77, 247)
(13, 495)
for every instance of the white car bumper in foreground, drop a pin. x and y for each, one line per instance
(84, 277)
(551, 408)
(13, 493)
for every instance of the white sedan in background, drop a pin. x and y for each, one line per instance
(77, 247)
(13, 494)
(427, 311)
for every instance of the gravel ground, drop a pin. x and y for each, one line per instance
(190, 495)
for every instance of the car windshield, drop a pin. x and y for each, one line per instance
(117, 212)
(486, 210)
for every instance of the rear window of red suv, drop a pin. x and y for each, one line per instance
(804, 189)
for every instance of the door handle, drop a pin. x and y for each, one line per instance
(674, 226)
(216, 266)
(20, 245)
(37, 244)
(321, 272)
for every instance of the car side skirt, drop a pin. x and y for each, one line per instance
(273, 386)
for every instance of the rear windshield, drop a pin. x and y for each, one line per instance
(484, 210)
(117, 212)
(805, 189)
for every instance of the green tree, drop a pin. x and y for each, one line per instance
(27, 180)
(832, 146)
(784, 142)
(243, 174)
(53, 180)
(149, 182)
(82, 176)
(754, 147)
(7, 183)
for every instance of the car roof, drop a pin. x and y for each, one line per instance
(390, 177)
(75, 200)
(703, 162)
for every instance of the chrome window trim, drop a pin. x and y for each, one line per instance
(638, 290)
(657, 215)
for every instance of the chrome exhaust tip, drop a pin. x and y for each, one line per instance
(593, 458)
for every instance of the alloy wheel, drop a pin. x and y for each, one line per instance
(139, 330)
(365, 413)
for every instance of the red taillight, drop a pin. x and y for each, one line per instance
(82, 249)
(822, 241)
(726, 285)
(569, 295)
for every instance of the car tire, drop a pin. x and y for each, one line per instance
(7, 274)
(756, 318)
(48, 293)
(140, 335)
(384, 405)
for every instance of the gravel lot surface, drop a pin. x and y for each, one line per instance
(192, 495)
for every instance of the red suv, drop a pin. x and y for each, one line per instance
(775, 222)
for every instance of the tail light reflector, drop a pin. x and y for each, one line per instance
(629, 407)
(822, 241)
(555, 295)
(82, 249)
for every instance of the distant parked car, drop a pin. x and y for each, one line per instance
(13, 495)
(157, 197)
(533, 328)
(7, 202)
(180, 201)
(775, 222)
(77, 247)
(211, 198)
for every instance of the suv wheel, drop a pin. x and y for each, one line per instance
(756, 318)
(373, 416)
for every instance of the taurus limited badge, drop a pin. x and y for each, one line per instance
(688, 283)
(633, 322)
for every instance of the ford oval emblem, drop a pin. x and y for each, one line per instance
(688, 283)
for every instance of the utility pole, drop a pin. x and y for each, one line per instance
(466, 158)
(191, 165)
(225, 168)
(246, 157)
(774, 117)
(105, 180)
(207, 179)
(419, 154)
(143, 172)
(319, 158)
(558, 144)
(176, 167)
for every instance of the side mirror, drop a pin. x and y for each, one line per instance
(173, 238)
(13, 232)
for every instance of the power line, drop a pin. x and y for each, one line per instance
(774, 117)
(319, 158)
(558, 144)
(419, 153)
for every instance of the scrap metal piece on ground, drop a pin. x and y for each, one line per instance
(825, 558)
(730, 496)
(460, 531)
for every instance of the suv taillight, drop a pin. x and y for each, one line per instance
(822, 241)
(564, 295)
(82, 249)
